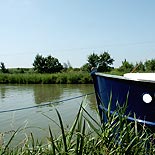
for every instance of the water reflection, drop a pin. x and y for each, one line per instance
(28, 95)
(47, 93)
(3, 91)
(51, 93)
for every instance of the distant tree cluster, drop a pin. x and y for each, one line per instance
(147, 66)
(47, 64)
(103, 62)
(67, 66)
(126, 66)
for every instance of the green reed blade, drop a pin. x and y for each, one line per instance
(63, 132)
(7, 145)
(82, 138)
(91, 118)
(52, 141)
(33, 143)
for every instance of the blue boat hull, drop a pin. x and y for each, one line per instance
(121, 90)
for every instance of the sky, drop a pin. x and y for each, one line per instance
(71, 30)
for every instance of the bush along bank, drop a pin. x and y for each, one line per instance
(57, 78)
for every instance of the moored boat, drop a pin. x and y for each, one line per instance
(135, 89)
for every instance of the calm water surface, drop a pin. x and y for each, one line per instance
(35, 120)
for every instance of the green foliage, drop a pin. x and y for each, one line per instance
(3, 68)
(47, 64)
(86, 67)
(139, 67)
(67, 66)
(93, 60)
(126, 67)
(21, 70)
(150, 65)
(39, 63)
(102, 61)
(147, 66)
(71, 77)
(50, 64)
(115, 71)
(105, 61)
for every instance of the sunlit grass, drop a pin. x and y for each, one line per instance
(36, 78)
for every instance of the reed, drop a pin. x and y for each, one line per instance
(36, 78)
(87, 135)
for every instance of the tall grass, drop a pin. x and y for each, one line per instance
(36, 78)
(89, 136)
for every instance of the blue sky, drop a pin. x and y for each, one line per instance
(70, 30)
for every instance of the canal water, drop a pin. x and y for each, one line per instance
(37, 120)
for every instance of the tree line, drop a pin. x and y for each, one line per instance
(104, 63)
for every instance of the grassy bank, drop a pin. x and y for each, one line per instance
(36, 78)
(88, 136)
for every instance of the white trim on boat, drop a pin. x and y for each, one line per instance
(141, 77)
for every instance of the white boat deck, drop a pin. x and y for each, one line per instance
(140, 76)
(143, 77)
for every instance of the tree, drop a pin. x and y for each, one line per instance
(47, 64)
(139, 67)
(39, 64)
(150, 65)
(105, 61)
(102, 61)
(126, 67)
(93, 60)
(86, 67)
(67, 66)
(3, 68)
(52, 65)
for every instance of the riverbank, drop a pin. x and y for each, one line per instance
(36, 78)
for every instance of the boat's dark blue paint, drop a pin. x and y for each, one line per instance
(124, 90)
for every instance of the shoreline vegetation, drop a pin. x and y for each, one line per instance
(88, 136)
(48, 70)
(55, 78)
(28, 76)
